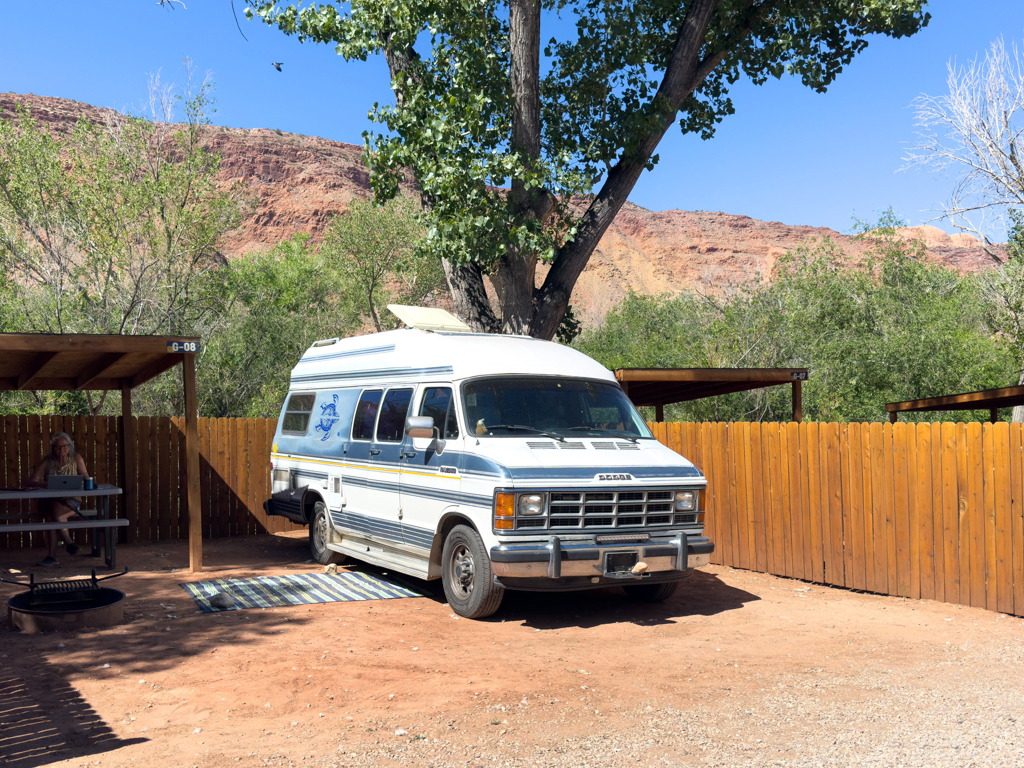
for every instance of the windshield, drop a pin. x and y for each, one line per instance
(554, 407)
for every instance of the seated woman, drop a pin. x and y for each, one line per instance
(62, 460)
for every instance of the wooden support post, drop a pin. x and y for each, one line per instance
(659, 412)
(129, 450)
(892, 417)
(798, 404)
(993, 415)
(195, 509)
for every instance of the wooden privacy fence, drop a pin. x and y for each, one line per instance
(930, 511)
(234, 472)
(917, 510)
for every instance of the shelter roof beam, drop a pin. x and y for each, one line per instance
(97, 368)
(31, 371)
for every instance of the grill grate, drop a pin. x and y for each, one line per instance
(608, 509)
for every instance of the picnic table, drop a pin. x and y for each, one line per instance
(101, 515)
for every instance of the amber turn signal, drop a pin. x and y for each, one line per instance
(700, 517)
(503, 524)
(505, 505)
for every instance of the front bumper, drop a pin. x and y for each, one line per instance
(557, 559)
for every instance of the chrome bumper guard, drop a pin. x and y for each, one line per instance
(556, 558)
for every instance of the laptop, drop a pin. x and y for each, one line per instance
(64, 483)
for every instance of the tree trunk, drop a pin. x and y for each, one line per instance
(685, 72)
(1018, 410)
(466, 285)
(523, 308)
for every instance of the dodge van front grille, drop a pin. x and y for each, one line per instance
(608, 509)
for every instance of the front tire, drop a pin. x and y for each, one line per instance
(319, 533)
(467, 575)
(652, 593)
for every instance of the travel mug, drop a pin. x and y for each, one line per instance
(89, 485)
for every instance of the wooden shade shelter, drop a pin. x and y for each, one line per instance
(985, 399)
(34, 361)
(659, 387)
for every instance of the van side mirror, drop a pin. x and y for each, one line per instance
(419, 426)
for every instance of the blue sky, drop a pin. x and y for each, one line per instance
(787, 155)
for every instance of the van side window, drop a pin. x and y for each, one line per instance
(391, 427)
(366, 414)
(296, 414)
(437, 403)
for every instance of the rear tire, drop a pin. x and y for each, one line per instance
(467, 575)
(319, 533)
(652, 593)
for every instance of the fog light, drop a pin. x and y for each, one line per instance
(531, 504)
(686, 501)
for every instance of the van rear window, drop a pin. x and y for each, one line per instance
(296, 415)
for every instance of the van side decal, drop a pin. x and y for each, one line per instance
(352, 353)
(328, 418)
(383, 373)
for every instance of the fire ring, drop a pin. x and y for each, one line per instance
(105, 610)
(63, 605)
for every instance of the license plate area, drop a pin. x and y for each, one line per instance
(617, 563)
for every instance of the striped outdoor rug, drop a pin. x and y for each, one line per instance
(295, 589)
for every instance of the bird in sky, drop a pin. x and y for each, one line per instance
(276, 65)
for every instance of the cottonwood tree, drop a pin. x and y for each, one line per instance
(502, 126)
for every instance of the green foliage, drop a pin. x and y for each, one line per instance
(890, 327)
(1015, 236)
(1004, 292)
(601, 99)
(277, 303)
(570, 327)
(372, 250)
(110, 229)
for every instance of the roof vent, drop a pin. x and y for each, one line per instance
(325, 342)
(428, 318)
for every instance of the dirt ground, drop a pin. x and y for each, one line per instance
(737, 668)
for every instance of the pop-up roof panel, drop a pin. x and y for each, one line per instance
(428, 318)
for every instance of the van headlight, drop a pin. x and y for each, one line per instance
(686, 501)
(531, 504)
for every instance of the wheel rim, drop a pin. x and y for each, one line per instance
(462, 571)
(320, 532)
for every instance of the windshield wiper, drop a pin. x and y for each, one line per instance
(616, 432)
(553, 436)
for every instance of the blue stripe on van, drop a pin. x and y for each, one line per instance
(382, 373)
(418, 537)
(350, 353)
(375, 526)
(438, 494)
(588, 473)
(383, 529)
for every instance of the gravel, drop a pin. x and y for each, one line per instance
(964, 709)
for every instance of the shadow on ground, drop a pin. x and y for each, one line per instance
(43, 719)
(703, 594)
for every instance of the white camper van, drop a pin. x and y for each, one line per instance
(490, 462)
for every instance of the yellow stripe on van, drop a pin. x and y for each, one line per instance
(362, 466)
